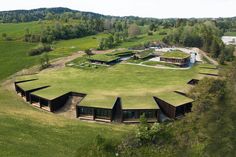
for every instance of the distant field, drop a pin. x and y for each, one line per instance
(17, 30)
(66, 47)
(13, 57)
(230, 34)
(140, 40)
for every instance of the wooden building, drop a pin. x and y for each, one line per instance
(176, 57)
(24, 90)
(173, 104)
(52, 104)
(133, 107)
(103, 108)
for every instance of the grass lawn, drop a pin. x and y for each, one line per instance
(209, 71)
(119, 80)
(208, 66)
(154, 63)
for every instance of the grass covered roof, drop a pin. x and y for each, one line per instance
(144, 54)
(177, 54)
(103, 58)
(209, 71)
(138, 102)
(174, 99)
(98, 101)
(120, 53)
(208, 66)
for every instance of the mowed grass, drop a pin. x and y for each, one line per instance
(121, 80)
(26, 132)
(13, 57)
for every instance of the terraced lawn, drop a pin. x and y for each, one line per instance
(127, 81)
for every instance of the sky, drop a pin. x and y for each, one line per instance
(142, 8)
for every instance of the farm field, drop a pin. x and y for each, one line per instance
(125, 81)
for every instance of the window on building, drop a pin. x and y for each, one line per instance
(103, 113)
(86, 111)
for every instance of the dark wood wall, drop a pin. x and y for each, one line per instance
(166, 108)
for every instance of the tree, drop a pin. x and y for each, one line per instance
(88, 52)
(4, 35)
(44, 61)
(133, 30)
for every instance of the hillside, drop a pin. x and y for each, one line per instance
(25, 131)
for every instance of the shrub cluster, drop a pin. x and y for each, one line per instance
(39, 50)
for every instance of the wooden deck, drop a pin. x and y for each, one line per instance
(103, 120)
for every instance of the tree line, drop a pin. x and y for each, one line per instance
(206, 36)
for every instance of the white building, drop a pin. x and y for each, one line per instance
(229, 40)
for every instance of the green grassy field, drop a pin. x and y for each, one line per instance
(13, 57)
(66, 47)
(17, 30)
(155, 63)
(141, 39)
(120, 80)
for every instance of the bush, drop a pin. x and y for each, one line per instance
(44, 61)
(162, 33)
(39, 50)
(150, 33)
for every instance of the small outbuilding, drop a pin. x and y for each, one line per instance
(173, 104)
(176, 57)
